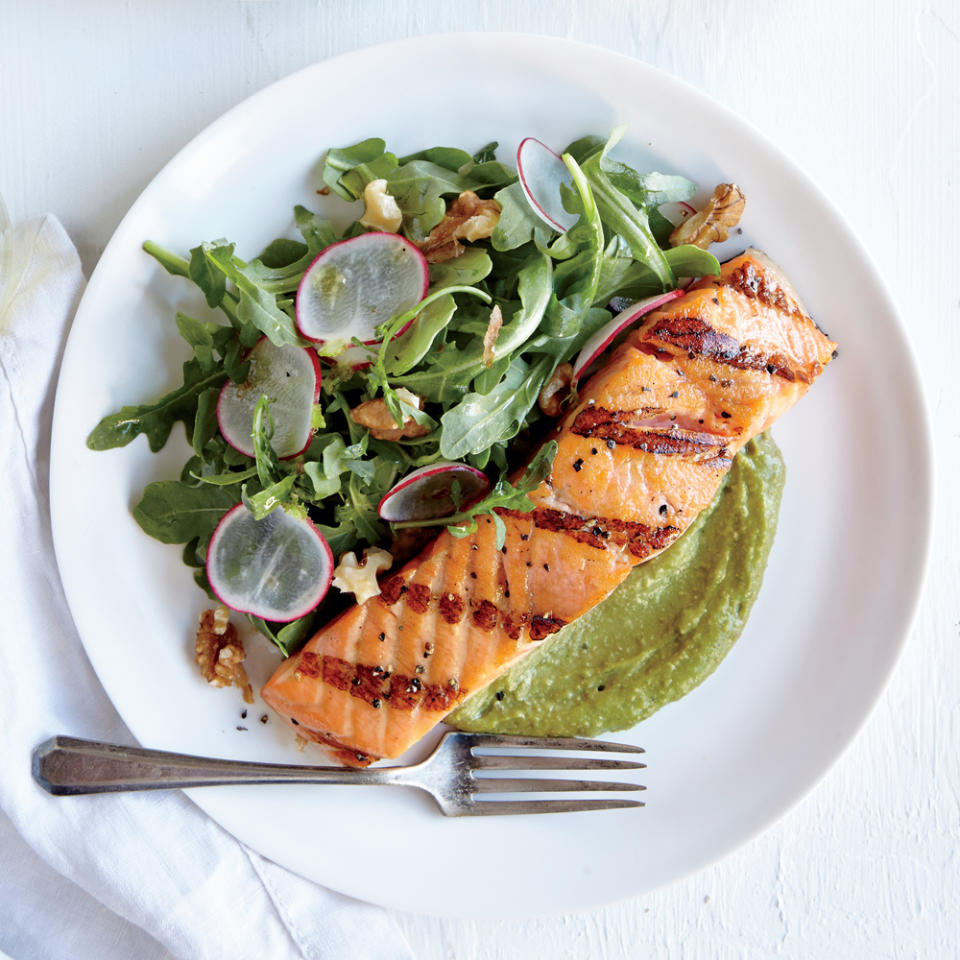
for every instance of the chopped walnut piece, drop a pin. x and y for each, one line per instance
(556, 390)
(220, 652)
(374, 415)
(380, 209)
(468, 218)
(490, 337)
(714, 222)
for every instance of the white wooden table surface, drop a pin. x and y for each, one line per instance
(95, 97)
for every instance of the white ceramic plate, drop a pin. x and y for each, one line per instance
(843, 577)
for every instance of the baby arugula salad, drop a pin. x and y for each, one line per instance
(397, 373)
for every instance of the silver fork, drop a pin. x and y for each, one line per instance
(66, 766)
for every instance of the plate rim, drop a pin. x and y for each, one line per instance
(920, 412)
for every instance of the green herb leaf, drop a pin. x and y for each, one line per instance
(176, 512)
(518, 224)
(156, 420)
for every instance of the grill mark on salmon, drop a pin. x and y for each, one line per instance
(608, 425)
(639, 538)
(454, 618)
(698, 338)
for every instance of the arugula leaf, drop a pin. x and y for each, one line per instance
(200, 336)
(620, 215)
(469, 268)
(282, 252)
(407, 350)
(690, 261)
(258, 308)
(268, 463)
(487, 152)
(269, 498)
(156, 420)
(577, 277)
(205, 421)
(347, 170)
(176, 512)
(226, 479)
(480, 420)
(535, 289)
(648, 189)
(518, 224)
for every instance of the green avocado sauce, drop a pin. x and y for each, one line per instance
(662, 632)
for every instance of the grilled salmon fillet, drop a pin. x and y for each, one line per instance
(641, 453)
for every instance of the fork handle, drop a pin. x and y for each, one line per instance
(67, 766)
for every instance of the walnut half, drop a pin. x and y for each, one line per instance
(715, 221)
(468, 218)
(220, 652)
(556, 390)
(374, 415)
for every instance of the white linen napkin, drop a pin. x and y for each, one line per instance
(155, 859)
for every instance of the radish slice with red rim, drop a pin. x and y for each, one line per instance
(677, 211)
(290, 377)
(278, 568)
(541, 172)
(602, 339)
(427, 493)
(356, 284)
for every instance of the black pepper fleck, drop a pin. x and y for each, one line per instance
(611, 444)
(240, 728)
(506, 594)
(243, 714)
(263, 718)
(715, 300)
(546, 567)
(473, 575)
(663, 509)
(578, 464)
(414, 683)
(594, 451)
(294, 721)
(770, 368)
(675, 394)
(601, 688)
(524, 536)
(356, 681)
(503, 549)
(375, 703)
(419, 668)
(382, 637)
(499, 694)
(724, 414)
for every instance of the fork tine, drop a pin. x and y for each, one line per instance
(546, 785)
(499, 761)
(549, 743)
(495, 807)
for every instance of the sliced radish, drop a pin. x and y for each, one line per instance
(290, 377)
(608, 333)
(356, 284)
(278, 568)
(427, 493)
(541, 173)
(677, 212)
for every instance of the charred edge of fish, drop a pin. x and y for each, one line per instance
(608, 425)
(696, 338)
(347, 755)
(378, 687)
(752, 284)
